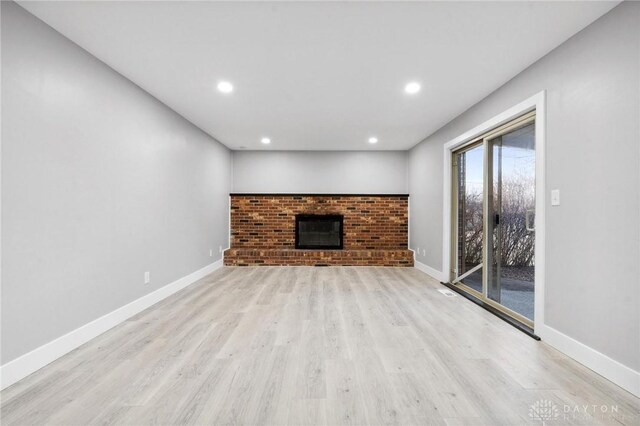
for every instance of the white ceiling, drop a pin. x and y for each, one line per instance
(319, 76)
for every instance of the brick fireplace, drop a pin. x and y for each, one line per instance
(374, 229)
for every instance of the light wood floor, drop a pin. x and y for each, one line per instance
(304, 345)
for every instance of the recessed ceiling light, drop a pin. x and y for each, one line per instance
(265, 141)
(373, 140)
(225, 87)
(412, 87)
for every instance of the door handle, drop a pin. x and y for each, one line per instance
(527, 220)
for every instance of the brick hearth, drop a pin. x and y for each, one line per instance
(263, 230)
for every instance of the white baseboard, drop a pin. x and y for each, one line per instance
(623, 376)
(433, 273)
(30, 362)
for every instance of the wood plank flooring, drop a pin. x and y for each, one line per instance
(305, 345)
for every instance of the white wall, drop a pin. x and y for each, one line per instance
(100, 183)
(361, 172)
(593, 157)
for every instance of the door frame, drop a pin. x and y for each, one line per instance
(534, 103)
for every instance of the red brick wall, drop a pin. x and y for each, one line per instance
(291, 257)
(370, 222)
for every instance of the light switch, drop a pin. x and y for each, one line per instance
(555, 197)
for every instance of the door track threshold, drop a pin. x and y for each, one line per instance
(506, 318)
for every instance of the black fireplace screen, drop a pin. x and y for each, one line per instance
(318, 231)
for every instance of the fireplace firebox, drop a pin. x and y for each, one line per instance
(319, 231)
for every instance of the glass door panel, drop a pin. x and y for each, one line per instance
(511, 232)
(469, 216)
(493, 218)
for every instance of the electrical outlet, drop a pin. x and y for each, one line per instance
(424, 252)
(418, 251)
(210, 252)
(147, 277)
(219, 249)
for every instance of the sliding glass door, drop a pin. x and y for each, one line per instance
(494, 215)
(512, 203)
